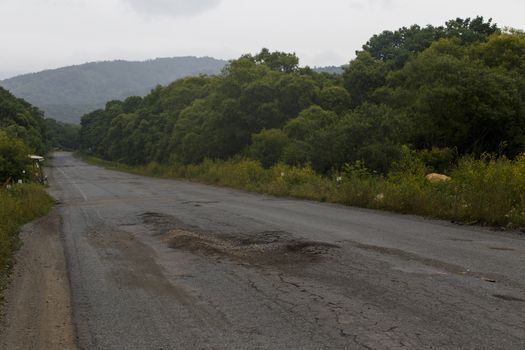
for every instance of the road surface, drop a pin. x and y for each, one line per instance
(164, 264)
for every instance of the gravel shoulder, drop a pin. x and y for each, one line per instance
(37, 311)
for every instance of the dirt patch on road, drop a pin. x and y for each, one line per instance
(37, 311)
(265, 248)
(256, 248)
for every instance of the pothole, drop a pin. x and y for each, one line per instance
(158, 222)
(266, 247)
(273, 247)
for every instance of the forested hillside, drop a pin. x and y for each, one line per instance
(67, 93)
(19, 120)
(442, 91)
(23, 131)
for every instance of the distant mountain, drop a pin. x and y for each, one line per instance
(330, 69)
(68, 93)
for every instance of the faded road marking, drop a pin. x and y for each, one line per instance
(74, 184)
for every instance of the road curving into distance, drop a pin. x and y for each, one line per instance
(164, 264)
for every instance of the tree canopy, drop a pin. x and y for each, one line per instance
(454, 89)
(23, 130)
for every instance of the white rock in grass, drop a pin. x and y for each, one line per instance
(435, 178)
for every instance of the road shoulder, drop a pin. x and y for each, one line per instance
(37, 311)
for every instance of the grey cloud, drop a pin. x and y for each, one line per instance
(171, 8)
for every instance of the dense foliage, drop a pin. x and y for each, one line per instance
(61, 136)
(20, 120)
(443, 91)
(23, 131)
(67, 93)
(14, 160)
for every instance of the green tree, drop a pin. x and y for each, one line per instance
(470, 30)
(296, 93)
(278, 61)
(204, 130)
(459, 102)
(21, 120)
(504, 50)
(396, 47)
(372, 134)
(310, 139)
(334, 98)
(363, 76)
(267, 146)
(14, 161)
(60, 135)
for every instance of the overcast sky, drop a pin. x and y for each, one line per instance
(43, 34)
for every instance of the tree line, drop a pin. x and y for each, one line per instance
(67, 93)
(441, 91)
(24, 131)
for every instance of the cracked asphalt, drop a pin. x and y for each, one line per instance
(164, 264)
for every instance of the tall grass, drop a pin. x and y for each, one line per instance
(18, 205)
(489, 191)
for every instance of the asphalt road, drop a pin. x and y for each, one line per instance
(164, 264)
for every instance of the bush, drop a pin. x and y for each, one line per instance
(14, 161)
(267, 146)
(440, 160)
(491, 190)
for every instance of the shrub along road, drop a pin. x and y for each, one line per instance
(164, 264)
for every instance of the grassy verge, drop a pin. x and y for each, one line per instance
(488, 191)
(18, 206)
